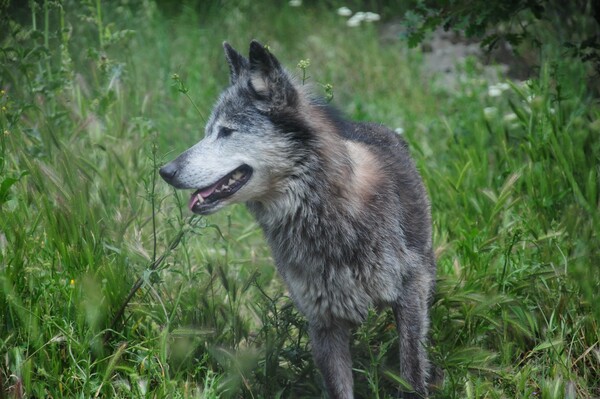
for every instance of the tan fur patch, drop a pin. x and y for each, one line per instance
(366, 172)
(352, 167)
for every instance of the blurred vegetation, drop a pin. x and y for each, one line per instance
(570, 27)
(89, 110)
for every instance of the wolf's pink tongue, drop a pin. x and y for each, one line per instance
(208, 191)
(203, 193)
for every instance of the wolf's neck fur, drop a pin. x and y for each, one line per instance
(335, 168)
(323, 205)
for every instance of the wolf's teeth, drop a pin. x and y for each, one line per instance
(231, 181)
(237, 175)
(200, 199)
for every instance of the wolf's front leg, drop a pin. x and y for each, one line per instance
(331, 350)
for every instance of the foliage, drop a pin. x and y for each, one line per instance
(576, 23)
(90, 107)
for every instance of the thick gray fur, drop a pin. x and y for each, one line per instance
(342, 207)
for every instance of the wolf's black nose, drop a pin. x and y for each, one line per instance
(168, 172)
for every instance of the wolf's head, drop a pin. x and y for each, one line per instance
(254, 137)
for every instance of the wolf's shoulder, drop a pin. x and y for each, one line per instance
(372, 133)
(377, 137)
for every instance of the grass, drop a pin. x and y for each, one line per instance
(89, 110)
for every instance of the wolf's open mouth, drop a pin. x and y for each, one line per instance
(204, 199)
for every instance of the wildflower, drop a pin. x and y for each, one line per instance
(344, 11)
(372, 17)
(526, 84)
(2, 92)
(6, 133)
(328, 91)
(72, 282)
(493, 91)
(497, 89)
(356, 19)
(295, 3)
(303, 64)
(510, 117)
(353, 22)
(3, 108)
(490, 112)
(399, 130)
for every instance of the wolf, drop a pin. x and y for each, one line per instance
(341, 205)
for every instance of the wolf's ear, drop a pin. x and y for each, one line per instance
(237, 62)
(268, 79)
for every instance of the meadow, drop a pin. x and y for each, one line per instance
(109, 287)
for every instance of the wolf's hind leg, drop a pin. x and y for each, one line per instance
(331, 350)
(412, 321)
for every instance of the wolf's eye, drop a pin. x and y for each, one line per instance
(225, 131)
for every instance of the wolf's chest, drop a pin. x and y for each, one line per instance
(334, 267)
(325, 293)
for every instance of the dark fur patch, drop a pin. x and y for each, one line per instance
(292, 126)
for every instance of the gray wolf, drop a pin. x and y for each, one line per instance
(341, 204)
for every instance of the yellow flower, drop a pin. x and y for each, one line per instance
(72, 282)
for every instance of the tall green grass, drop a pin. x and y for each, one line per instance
(90, 109)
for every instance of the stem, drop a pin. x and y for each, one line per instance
(153, 200)
(46, 37)
(183, 89)
(195, 106)
(140, 281)
(99, 23)
(33, 18)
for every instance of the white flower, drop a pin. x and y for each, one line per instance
(526, 84)
(399, 130)
(356, 19)
(344, 11)
(511, 117)
(295, 3)
(353, 22)
(490, 112)
(497, 89)
(493, 91)
(371, 17)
